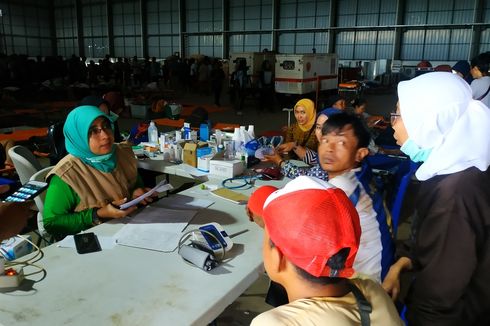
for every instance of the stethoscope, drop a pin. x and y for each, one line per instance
(244, 182)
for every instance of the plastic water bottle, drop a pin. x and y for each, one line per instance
(152, 133)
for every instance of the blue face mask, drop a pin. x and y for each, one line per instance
(415, 153)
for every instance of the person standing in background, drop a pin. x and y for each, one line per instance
(481, 83)
(217, 77)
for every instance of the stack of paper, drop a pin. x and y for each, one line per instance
(155, 228)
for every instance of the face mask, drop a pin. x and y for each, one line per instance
(415, 153)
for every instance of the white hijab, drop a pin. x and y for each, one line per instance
(439, 113)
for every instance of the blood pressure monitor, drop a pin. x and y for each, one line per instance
(213, 237)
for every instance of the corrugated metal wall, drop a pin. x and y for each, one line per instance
(440, 30)
(162, 28)
(247, 20)
(309, 15)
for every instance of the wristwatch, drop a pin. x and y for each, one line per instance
(95, 217)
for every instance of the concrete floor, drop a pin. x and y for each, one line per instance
(251, 303)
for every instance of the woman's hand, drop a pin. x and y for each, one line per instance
(140, 191)
(111, 211)
(391, 283)
(274, 158)
(300, 151)
(286, 147)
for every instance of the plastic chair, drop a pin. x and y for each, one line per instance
(39, 200)
(56, 142)
(288, 110)
(25, 162)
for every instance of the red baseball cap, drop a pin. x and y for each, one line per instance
(258, 198)
(310, 220)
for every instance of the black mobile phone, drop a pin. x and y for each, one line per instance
(28, 191)
(86, 242)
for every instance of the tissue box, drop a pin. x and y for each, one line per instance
(226, 168)
(203, 162)
(16, 247)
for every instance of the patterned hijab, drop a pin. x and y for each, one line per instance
(76, 131)
(310, 113)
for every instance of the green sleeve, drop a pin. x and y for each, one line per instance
(139, 183)
(59, 216)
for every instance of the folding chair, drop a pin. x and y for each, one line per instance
(39, 200)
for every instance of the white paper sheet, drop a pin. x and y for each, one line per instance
(182, 202)
(155, 228)
(161, 187)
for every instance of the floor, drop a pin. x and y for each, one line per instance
(251, 303)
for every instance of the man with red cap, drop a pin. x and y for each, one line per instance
(311, 238)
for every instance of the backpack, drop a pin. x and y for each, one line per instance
(198, 116)
(3, 156)
(139, 133)
(158, 106)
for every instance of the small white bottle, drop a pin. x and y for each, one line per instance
(251, 131)
(237, 141)
(153, 133)
(178, 135)
(162, 142)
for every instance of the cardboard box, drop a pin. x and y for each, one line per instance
(190, 152)
(226, 168)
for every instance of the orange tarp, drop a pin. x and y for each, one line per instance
(169, 122)
(23, 135)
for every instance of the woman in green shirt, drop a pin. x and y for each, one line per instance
(87, 186)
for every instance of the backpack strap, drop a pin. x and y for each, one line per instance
(364, 306)
(354, 197)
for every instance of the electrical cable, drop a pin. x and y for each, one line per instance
(27, 262)
(186, 235)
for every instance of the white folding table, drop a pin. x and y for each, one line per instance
(131, 286)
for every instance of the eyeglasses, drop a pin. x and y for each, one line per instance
(394, 116)
(95, 131)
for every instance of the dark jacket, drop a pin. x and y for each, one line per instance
(451, 251)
